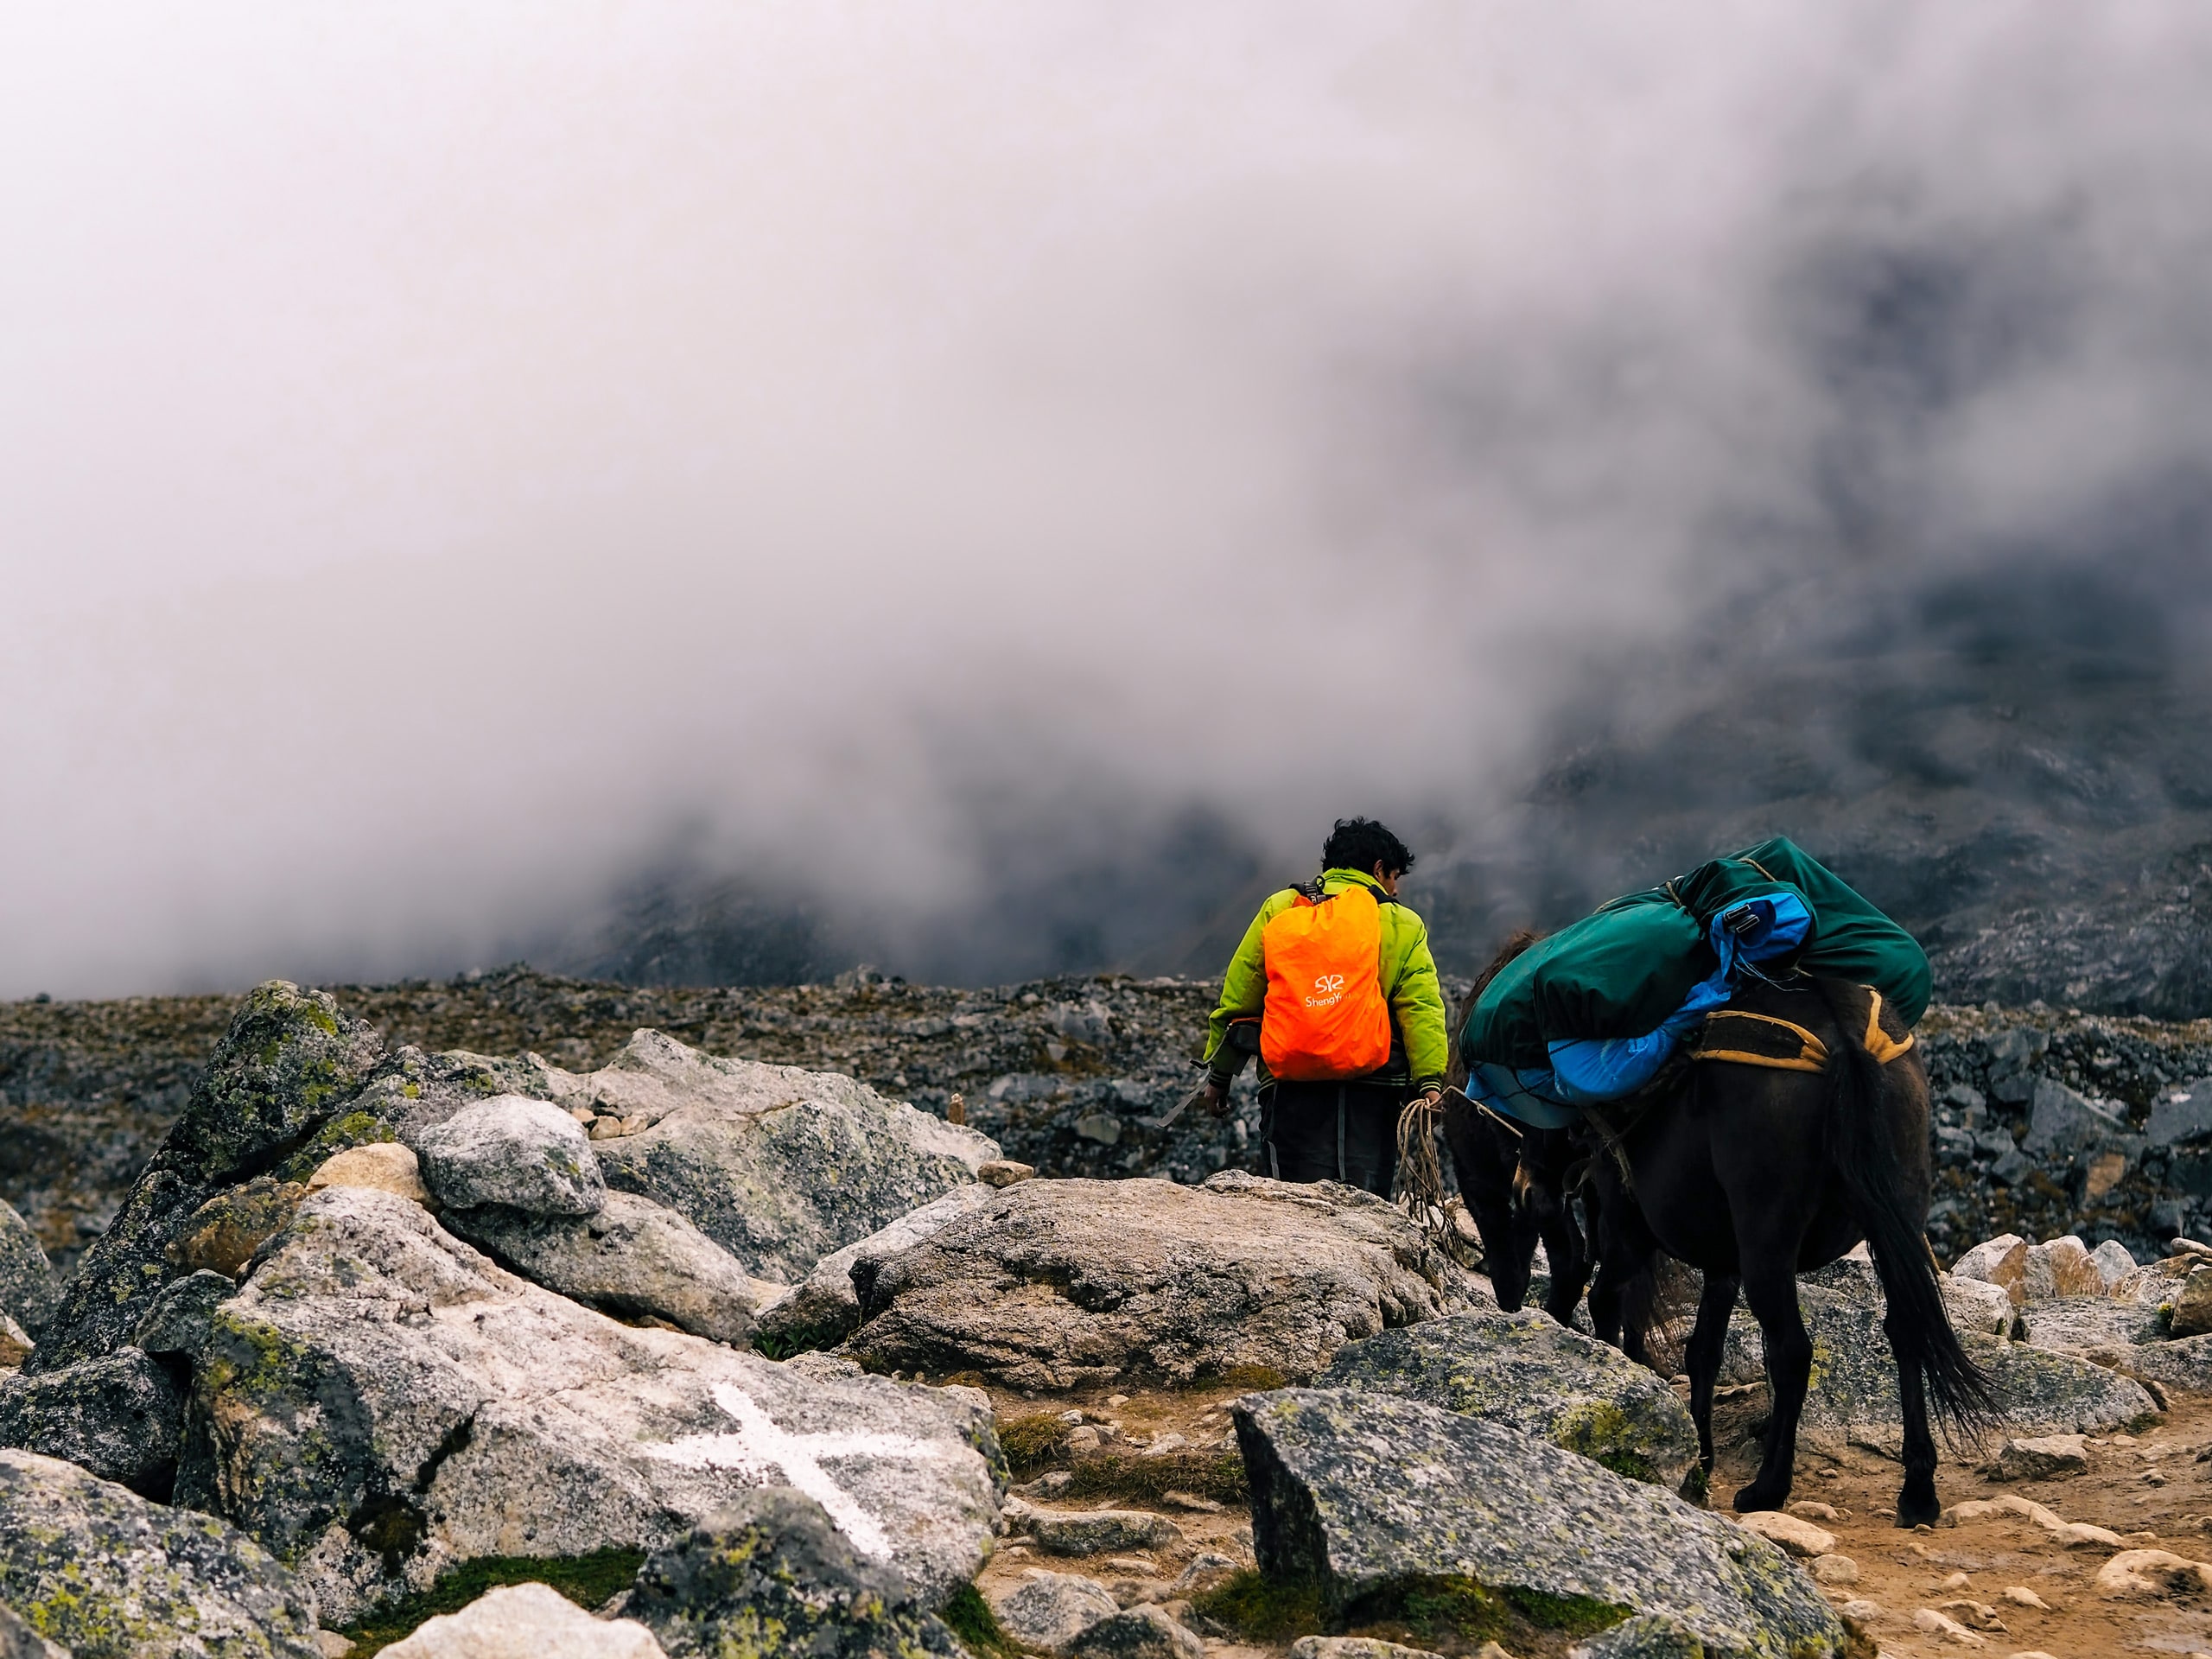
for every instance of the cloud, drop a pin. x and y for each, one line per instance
(450, 464)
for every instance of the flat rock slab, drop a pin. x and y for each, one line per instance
(1853, 1399)
(777, 1166)
(526, 1621)
(630, 1256)
(1369, 1495)
(1529, 1372)
(1096, 1532)
(379, 1370)
(1056, 1284)
(108, 1575)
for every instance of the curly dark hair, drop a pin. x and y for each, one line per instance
(1361, 844)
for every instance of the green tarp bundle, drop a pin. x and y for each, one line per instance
(1620, 971)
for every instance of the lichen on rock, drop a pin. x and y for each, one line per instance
(286, 1065)
(109, 1575)
(380, 1401)
(1527, 1370)
(1361, 1494)
(771, 1574)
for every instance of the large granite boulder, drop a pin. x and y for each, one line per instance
(1531, 1373)
(1853, 1400)
(380, 1402)
(511, 1151)
(1372, 1498)
(288, 1061)
(777, 1166)
(108, 1575)
(631, 1257)
(28, 1288)
(117, 1416)
(773, 1574)
(1056, 1284)
(823, 1308)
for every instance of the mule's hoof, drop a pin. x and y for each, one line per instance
(1913, 1512)
(1753, 1498)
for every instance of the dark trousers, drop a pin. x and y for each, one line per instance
(1331, 1132)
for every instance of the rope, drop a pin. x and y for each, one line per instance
(1421, 1177)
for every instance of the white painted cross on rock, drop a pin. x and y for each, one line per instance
(761, 1447)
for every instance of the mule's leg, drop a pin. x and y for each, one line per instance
(1639, 1302)
(1564, 1248)
(1770, 1287)
(1916, 1500)
(1701, 1357)
(1615, 1263)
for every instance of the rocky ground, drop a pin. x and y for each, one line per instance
(1064, 1073)
(721, 1348)
(1071, 1075)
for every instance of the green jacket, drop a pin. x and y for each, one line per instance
(1419, 1052)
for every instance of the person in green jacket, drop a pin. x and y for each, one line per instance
(1344, 1131)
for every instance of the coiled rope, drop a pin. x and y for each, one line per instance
(1420, 1177)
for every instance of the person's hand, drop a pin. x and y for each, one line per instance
(1214, 1098)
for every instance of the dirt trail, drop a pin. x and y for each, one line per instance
(2150, 1488)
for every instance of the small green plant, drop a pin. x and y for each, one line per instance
(1256, 1377)
(1429, 1609)
(970, 1618)
(588, 1580)
(1426, 1611)
(1264, 1610)
(1032, 1442)
(1217, 1475)
(1630, 1465)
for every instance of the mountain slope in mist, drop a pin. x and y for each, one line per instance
(2013, 763)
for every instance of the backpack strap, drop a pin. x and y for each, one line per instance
(1311, 894)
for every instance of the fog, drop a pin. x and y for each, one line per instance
(457, 465)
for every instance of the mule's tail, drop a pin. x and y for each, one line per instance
(1861, 1140)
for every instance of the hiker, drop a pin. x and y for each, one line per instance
(1334, 990)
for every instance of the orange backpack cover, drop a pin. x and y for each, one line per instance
(1325, 1018)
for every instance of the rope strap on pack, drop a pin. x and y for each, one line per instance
(1742, 1037)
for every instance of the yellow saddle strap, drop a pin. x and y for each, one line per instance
(1812, 1053)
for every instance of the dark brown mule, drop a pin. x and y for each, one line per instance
(1513, 1180)
(1754, 1176)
